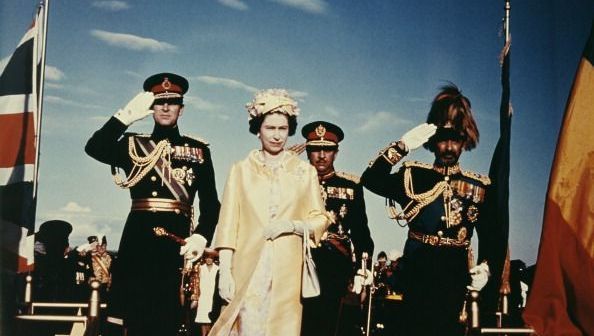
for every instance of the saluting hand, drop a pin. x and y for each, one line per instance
(297, 148)
(417, 136)
(136, 109)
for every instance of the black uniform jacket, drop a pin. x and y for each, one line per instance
(110, 145)
(343, 197)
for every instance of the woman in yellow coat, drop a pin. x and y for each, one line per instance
(270, 199)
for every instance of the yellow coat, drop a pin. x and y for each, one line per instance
(244, 213)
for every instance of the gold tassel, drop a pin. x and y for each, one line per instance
(463, 313)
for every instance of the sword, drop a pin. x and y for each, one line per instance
(190, 282)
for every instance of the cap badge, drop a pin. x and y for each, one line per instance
(166, 83)
(321, 131)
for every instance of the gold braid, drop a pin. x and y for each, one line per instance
(143, 164)
(421, 200)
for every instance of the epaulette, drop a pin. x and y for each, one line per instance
(350, 177)
(199, 139)
(485, 180)
(418, 164)
(135, 135)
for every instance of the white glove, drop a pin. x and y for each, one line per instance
(362, 278)
(357, 284)
(193, 248)
(136, 109)
(226, 282)
(417, 136)
(480, 275)
(282, 226)
(85, 248)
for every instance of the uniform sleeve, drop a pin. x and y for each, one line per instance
(360, 233)
(378, 179)
(492, 241)
(317, 218)
(228, 221)
(105, 144)
(208, 199)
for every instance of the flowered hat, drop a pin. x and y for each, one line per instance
(272, 100)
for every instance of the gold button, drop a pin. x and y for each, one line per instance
(153, 178)
(185, 168)
(440, 233)
(446, 178)
(443, 218)
(154, 193)
(176, 211)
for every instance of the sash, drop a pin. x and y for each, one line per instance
(175, 187)
(101, 264)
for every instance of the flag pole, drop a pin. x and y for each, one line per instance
(506, 20)
(505, 114)
(39, 95)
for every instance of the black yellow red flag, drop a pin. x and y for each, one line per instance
(561, 299)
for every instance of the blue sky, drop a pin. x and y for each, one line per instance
(371, 67)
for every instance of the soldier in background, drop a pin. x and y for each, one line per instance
(380, 274)
(101, 263)
(335, 258)
(84, 269)
(55, 274)
(54, 278)
(165, 171)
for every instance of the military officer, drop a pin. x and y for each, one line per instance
(101, 263)
(346, 240)
(164, 172)
(442, 204)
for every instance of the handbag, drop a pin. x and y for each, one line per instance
(310, 284)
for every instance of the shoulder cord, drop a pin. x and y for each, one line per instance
(143, 164)
(420, 200)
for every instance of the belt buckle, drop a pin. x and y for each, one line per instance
(431, 240)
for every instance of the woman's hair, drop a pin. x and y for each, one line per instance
(451, 113)
(256, 122)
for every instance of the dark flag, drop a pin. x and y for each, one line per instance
(19, 132)
(561, 300)
(496, 248)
